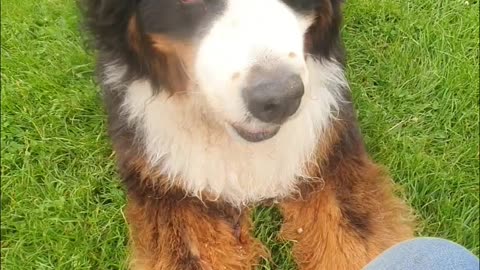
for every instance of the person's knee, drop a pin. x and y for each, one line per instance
(426, 253)
(428, 244)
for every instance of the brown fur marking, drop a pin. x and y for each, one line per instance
(167, 61)
(170, 230)
(178, 57)
(351, 216)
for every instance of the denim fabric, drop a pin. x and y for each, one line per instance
(425, 254)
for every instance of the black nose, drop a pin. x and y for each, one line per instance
(273, 96)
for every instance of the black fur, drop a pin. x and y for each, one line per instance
(107, 21)
(323, 39)
(303, 6)
(178, 20)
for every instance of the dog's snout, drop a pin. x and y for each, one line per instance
(273, 95)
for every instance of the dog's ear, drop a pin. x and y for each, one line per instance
(113, 27)
(106, 21)
(323, 37)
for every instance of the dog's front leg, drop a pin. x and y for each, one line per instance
(346, 219)
(171, 232)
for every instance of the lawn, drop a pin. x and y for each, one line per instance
(413, 68)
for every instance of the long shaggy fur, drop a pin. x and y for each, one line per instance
(190, 185)
(350, 215)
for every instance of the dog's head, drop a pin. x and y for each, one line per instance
(245, 58)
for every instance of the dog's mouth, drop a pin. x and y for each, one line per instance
(256, 135)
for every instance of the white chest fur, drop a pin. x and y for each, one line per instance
(195, 150)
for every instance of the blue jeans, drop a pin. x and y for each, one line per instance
(425, 254)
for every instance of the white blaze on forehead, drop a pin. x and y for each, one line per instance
(249, 32)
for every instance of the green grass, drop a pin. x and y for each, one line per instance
(413, 67)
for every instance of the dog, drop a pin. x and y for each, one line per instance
(217, 106)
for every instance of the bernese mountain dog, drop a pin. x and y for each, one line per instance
(217, 106)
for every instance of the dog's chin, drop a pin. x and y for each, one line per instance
(253, 135)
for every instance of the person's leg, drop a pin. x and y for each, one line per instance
(425, 254)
